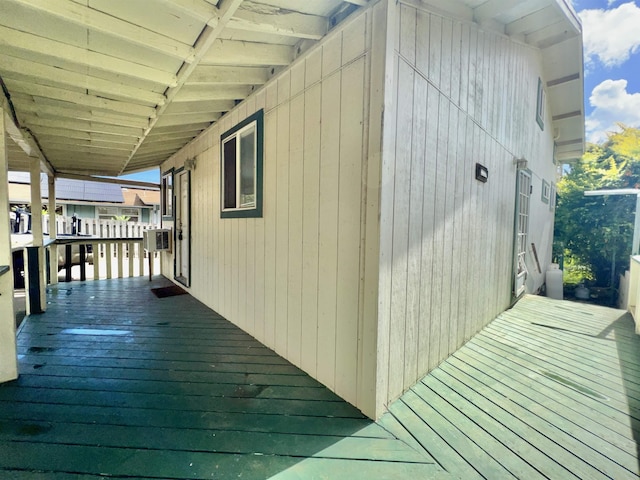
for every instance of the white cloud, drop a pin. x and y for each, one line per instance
(611, 36)
(612, 104)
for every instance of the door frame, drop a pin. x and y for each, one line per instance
(177, 210)
(518, 290)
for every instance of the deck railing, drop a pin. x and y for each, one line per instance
(95, 227)
(634, 291)
(103, 258)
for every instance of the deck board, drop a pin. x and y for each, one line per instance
(547, 390)
(117, 382)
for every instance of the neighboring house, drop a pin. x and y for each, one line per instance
(87, 199)
(382, 199)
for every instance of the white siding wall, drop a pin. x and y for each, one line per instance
(456, 95)
(302, 280)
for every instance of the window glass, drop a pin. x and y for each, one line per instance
(247, 168)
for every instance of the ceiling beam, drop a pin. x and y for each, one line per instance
(199, 9)
(92, 19)
(11, 39)
(170, 120)
(360, 3)
(80, 142)
(276, 21)
(234, 52)
(52, 132)
(84, 126)
(187, 108)
(91, 178)
(208, 36)
(197, 93)
(81, 99)
(207, 74)
(14, 67)
(48, 111)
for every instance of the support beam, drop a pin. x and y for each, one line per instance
(129, 183)
(279, 22)
(233, 52)
(11, 40)
(209, 35)
(81, 99)
(18, 68)
(53, 233)
(8, 357)
(37, 285)
(92, 19)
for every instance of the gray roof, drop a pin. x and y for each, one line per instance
(80, 190)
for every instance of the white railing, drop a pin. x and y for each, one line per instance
(104, 258)
(95, 227)
(634, 291)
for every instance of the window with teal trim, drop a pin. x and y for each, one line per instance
(241, 165)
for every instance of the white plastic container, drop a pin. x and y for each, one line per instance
(555, 288)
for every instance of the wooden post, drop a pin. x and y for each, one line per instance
(8, 357)
(53, 232)
(39, 288)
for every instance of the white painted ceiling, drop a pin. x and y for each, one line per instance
(106, 87)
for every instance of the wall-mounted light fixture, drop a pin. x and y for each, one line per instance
(482, 173)
(190, 164)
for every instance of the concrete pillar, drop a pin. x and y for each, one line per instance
(53, 234)
(8, 357)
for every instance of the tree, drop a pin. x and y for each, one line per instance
(597, 231)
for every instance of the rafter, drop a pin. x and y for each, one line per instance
(11, 39)
(83, 126)
(276, 21)
(233, 52)
(196, 93)
(81, 99)
(95, 20)
(209, 35)
(18, 68)
(170, 120)
(47, 111)
(229, 75)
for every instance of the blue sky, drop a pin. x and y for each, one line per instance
(611, 34)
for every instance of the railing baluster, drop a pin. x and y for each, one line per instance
(107, 256)
(120, 263)
(95, 249)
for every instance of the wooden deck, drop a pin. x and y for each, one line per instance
(550, 389)
(117, 382)
(142, 387)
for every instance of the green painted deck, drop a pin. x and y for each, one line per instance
(550, 389)
(117, 382)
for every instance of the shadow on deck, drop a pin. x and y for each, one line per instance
(550, 389)
(116, 382)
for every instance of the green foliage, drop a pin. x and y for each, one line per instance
(122, 218)
(597, 231)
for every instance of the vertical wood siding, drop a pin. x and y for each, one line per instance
(301, 278)
(461, 96)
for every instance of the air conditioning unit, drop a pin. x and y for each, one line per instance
(156, 240)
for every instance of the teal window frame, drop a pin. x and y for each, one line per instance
(231, 157)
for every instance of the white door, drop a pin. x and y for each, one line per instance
(183, 228)
(523, 201)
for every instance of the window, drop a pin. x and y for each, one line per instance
(107, 213)
(546, 191)
(540, 104)
(241, 164)
(552, 200)
(167, 194)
